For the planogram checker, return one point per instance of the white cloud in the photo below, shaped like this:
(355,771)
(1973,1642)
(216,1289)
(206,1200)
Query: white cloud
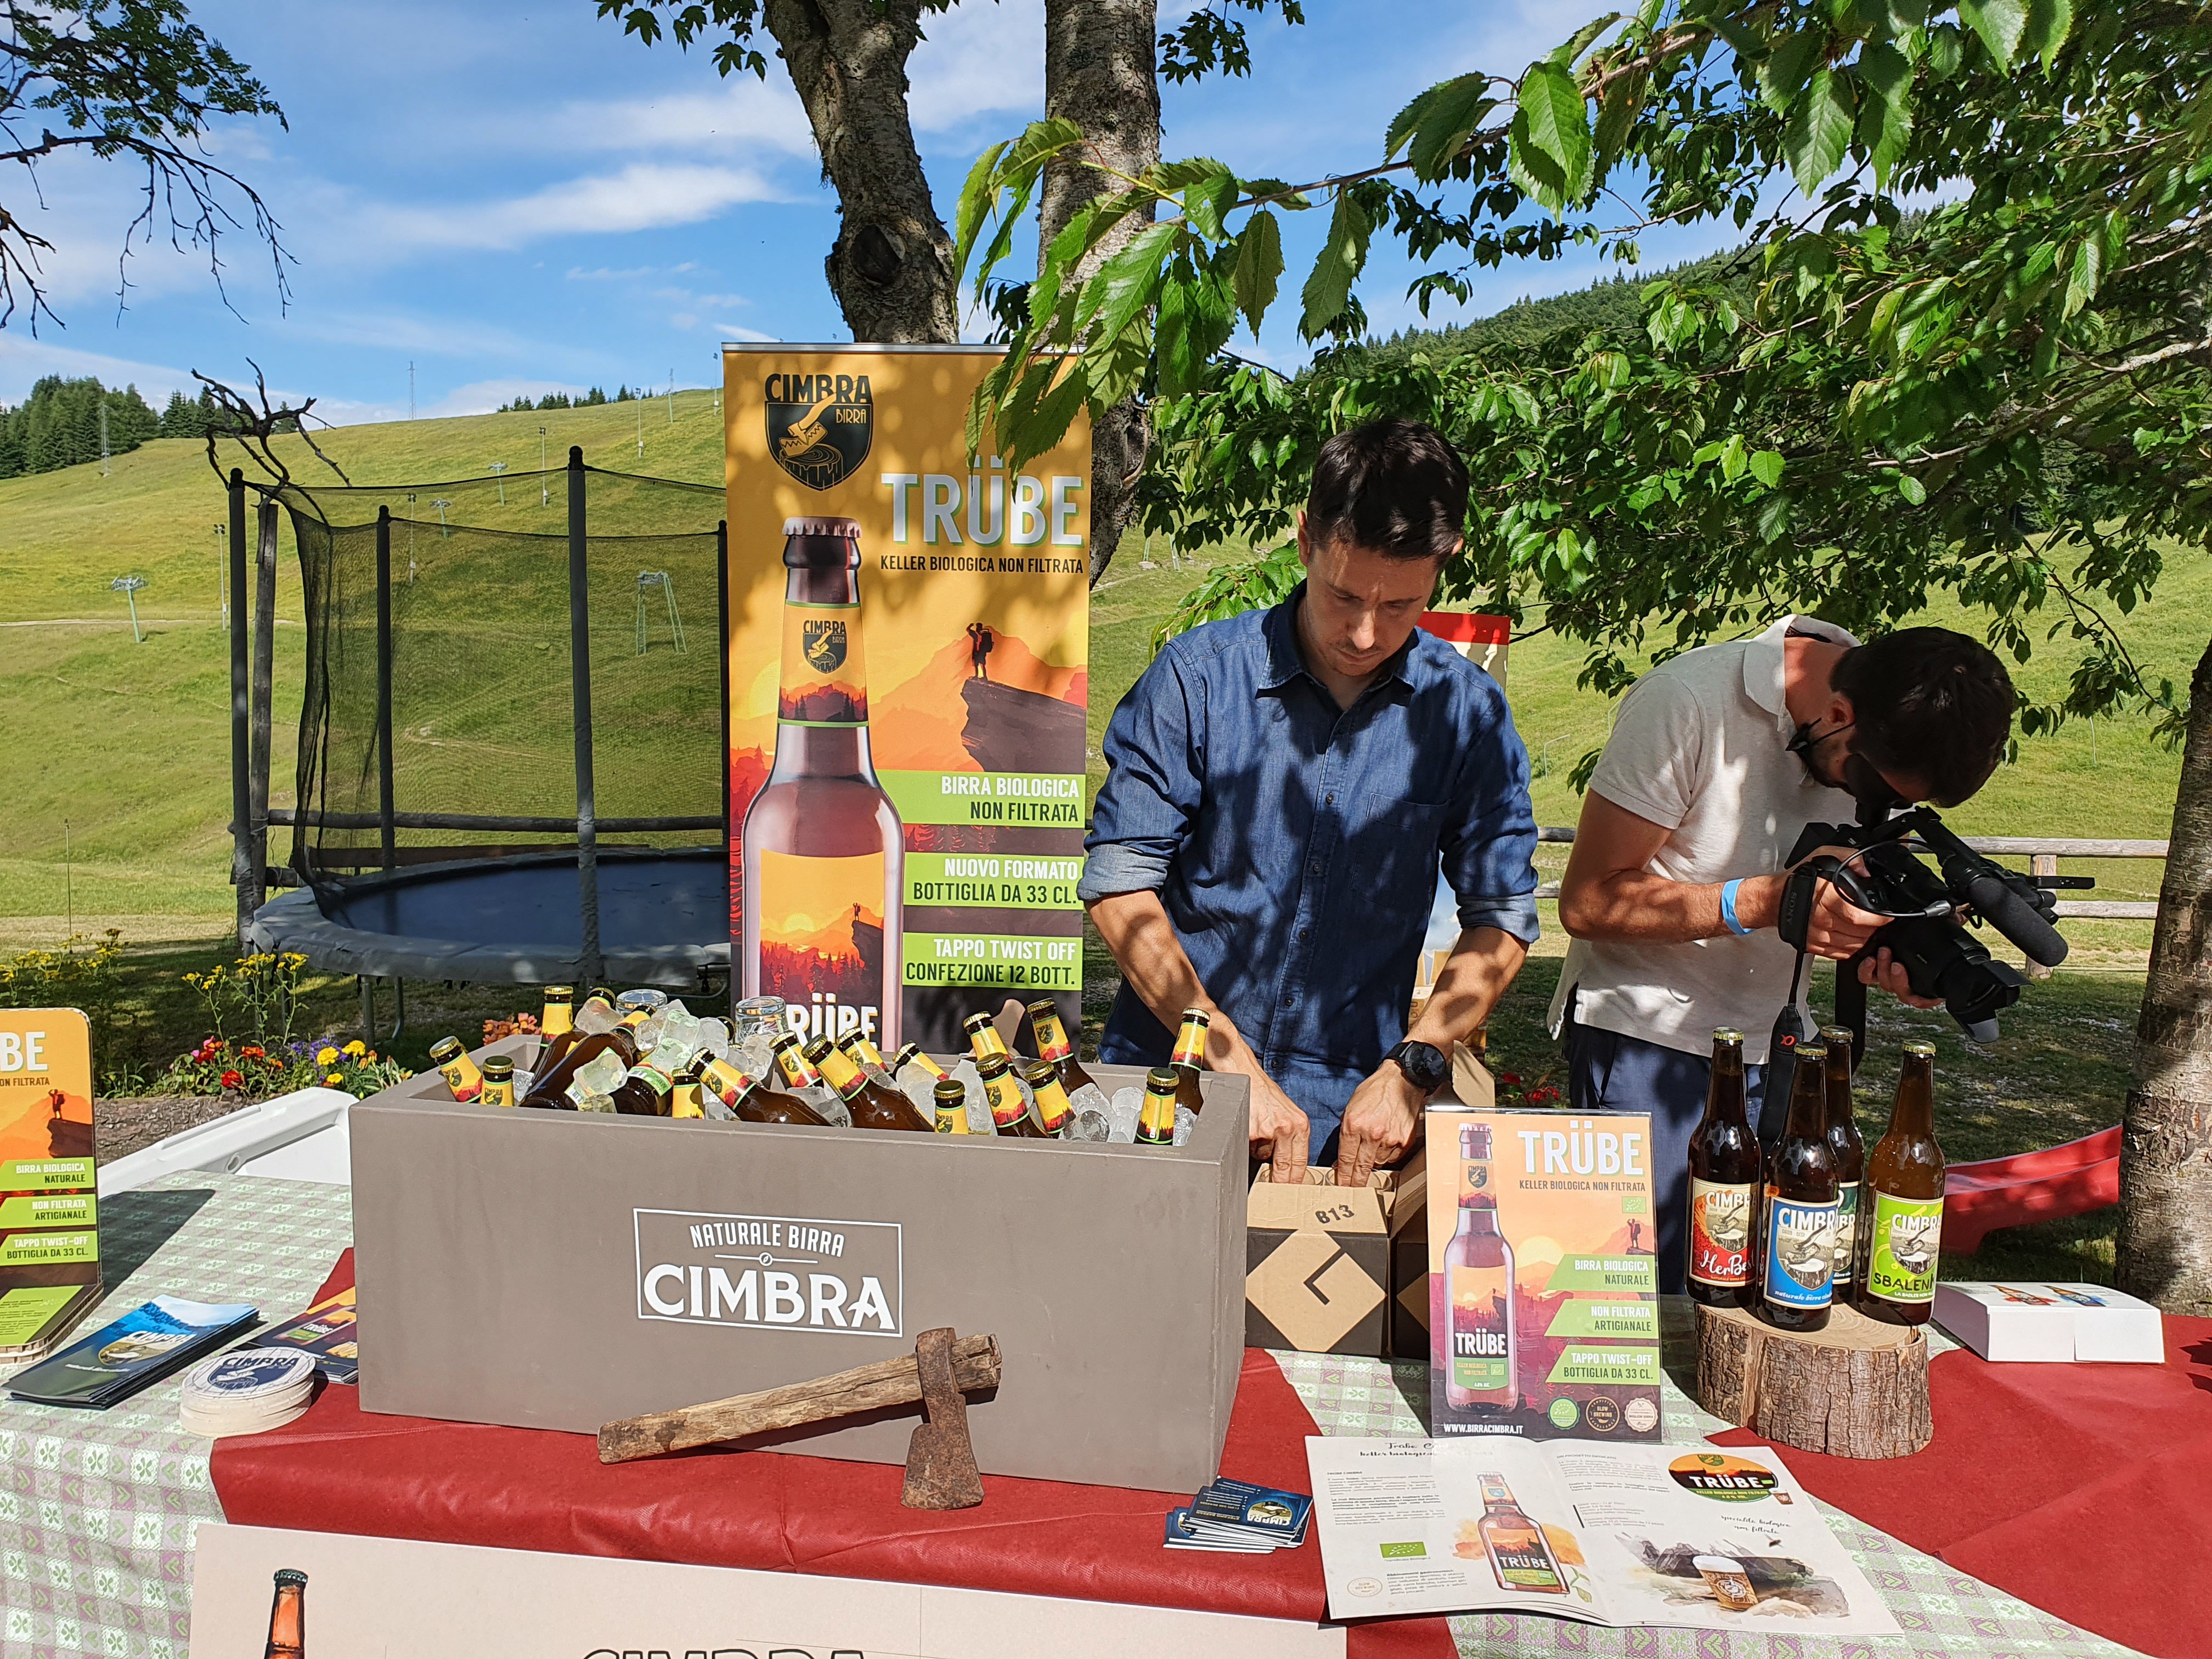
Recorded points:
(980,59)
(24,360)
(642,197)
(732,332)
(740,115)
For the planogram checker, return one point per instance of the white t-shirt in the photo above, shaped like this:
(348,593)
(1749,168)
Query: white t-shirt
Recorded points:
(1700,747)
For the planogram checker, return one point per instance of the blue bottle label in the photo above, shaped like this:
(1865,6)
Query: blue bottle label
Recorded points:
(1801,1252)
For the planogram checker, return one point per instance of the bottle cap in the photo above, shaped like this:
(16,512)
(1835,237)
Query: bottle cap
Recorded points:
(497,1067)
(556,992)
(1197,1014)
(1162,1079)
(1044,1005)
(1038,1073)
(1726,1033)
(993,1065)
(950,1091)
(847,529)
(291,1576)
(1925,1049)
(816,1049)
(974,1020)
(445,1048)
(1812,1051)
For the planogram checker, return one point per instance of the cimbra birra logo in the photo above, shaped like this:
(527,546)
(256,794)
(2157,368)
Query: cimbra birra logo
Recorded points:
(819,426)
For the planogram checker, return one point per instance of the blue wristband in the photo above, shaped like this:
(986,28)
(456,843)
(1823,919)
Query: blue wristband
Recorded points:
(1728,907)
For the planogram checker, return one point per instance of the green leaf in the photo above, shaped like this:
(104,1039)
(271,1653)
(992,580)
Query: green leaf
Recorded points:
(1732,458)
(1258,264)
(1767,467)
(1126,283)
(1884,125)
(1789,66)
(1439,123)
(1946,51)
(1911,488)
(1566,53)
(1550,135)
(1617,113)
(1329,285)
(1207,201)
(1819,130)
(2002,24)
(976,196)
(2049,23)
(2084,274)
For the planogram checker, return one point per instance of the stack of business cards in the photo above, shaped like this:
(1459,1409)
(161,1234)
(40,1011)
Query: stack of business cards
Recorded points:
(1240,1518)
(247,1391)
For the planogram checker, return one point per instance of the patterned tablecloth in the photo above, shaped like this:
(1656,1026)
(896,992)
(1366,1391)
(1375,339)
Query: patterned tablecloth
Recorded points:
(98,1510)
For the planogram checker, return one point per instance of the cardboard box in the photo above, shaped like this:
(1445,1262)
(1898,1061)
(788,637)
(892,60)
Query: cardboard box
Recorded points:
(1323,1261)
(2029,1320)
(1545,1309)
(557,1270)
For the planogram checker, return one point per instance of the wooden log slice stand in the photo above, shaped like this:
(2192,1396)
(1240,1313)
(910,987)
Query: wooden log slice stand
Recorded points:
(1858,1388)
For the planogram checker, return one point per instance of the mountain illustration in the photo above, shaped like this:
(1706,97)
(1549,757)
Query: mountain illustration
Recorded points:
(927,723)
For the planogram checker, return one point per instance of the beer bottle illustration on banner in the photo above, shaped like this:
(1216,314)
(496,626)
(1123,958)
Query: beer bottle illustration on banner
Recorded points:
(823,850)
(287,1616)
(1520,1557)
(1476,1320)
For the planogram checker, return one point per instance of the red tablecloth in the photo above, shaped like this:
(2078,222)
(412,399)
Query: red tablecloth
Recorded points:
(2079,1488)
(340,1469)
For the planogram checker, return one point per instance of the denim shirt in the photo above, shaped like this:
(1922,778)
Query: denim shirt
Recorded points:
(1295,846)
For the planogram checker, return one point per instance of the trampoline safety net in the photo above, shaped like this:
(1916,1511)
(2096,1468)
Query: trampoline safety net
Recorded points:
(456,609)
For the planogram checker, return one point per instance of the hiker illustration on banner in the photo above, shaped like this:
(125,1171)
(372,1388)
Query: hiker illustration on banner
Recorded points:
(908,655)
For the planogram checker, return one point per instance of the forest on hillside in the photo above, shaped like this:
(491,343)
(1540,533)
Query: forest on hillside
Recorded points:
(59,424)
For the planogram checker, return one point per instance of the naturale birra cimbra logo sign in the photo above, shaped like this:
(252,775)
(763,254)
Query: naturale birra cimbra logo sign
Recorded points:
(819,423)
(909,635)
(770,1272)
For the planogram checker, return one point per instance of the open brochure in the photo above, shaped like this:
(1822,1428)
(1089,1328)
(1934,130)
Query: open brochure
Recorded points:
(1712,1538)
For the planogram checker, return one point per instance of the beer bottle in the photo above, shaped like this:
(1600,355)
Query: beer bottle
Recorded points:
(287,1616)
(952,1097)
(1797,1222)
(1008,1109)
(821,838)
(749,1098)
(983,1038)
(913,1055)
(685,1101)
(1903,1222)
(1471,1299)
(462,1078)
(791,1060)
(865,1054)
(1155,1120)
(645,1093)
(1724,1182)
(1850,1151)
(1053,1108)
(498,1082)
(1052,1044)
(557,1026)
(873,1106)
(1189,1058)
(547,1088)
(1521,1557)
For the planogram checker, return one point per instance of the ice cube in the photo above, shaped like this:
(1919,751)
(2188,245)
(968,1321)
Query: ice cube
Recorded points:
(1185,1122)
(713,1037)
(827,1105)
(602,1074)
(920,1087)
(1090,1126)
(1091,1098)
(592,1018)
(756,1056)
(1122,1112)
(595,1103)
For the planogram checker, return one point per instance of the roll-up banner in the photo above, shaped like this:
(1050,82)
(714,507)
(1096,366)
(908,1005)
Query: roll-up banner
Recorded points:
(908,648)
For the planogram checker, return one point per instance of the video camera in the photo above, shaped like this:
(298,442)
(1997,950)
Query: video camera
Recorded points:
(1940,958)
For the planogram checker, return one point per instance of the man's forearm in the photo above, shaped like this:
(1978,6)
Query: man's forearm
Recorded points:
(1136,929)
(1636,906)
(1476,974)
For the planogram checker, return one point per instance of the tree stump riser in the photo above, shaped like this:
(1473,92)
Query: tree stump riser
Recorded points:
(1857,1389)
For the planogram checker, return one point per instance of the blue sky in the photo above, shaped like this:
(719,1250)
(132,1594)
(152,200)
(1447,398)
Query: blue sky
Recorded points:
(526,200)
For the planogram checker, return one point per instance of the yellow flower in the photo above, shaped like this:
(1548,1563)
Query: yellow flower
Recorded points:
(333,1079)
(356,1048)
(327,1057)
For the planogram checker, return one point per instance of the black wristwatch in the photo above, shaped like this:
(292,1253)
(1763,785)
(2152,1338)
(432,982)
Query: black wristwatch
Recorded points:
(1424,1064)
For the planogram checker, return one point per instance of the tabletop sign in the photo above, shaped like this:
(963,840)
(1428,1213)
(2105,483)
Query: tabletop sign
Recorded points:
(49,1210)
(1543,1287)
(907,689)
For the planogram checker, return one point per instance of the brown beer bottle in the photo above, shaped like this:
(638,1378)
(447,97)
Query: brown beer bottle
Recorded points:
(873,1106)
(791,1060)
(547,1089)
(1052,1044)
(1724,1183)
(1797,1222)
(1008,1109)
(1904,1221)
(1189,1058)
(684,1100)
(648,1091)
(1471,1299)
(913,1055)
(463,1080)
(1155,1120)
(952,1097)
(1053,1108)
(751,1099)
(557,1026)
(865,1054)
(821,838)
(983,1038)
(1850,1151)
(498,1082)
(288,1617)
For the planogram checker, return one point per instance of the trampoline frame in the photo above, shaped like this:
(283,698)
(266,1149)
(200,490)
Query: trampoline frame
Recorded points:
(251,816)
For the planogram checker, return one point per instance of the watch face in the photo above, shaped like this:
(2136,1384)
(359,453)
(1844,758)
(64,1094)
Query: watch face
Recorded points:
(1424,1064)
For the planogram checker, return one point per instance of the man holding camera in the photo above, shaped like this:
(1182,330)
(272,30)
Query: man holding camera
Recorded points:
(1718,759)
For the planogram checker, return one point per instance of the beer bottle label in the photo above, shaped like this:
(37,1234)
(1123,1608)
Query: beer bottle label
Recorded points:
(1190,1046)
(1907,1233)
(952,1120)
(916,1057)
(798,1070)
(497,1094)
(824,682)
(1156,1122)
(865,1052)
(725,1082)
(1520,1558)
(1481,1327)
(1720,1232)
(686,1101)
(1052,1106)
(822,930)
(1847,1229)
(984,1039)
(462,1077)
(1052,1037)
(558,1019)
(839,1071)
(1801,1252)
(659,1081)
(1007,1106)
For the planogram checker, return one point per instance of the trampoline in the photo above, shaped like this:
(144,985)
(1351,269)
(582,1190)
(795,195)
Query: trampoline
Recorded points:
(468,740)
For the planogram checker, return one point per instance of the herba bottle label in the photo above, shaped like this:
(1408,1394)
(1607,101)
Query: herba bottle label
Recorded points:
(1801,1252)
(1907,1231)
(1720,1232)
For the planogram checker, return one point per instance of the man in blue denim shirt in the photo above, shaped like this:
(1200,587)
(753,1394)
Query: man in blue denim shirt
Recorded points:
(1281,788)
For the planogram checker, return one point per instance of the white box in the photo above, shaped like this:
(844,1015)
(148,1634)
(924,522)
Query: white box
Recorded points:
(2029,1320)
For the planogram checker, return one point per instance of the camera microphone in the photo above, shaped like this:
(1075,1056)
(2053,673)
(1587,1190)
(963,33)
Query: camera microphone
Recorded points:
(2016,919)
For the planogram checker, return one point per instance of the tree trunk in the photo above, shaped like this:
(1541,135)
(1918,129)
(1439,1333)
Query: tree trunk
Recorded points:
(892,265)
(1101,71)
(2166,1148)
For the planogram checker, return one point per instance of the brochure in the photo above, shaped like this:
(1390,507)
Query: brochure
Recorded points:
(326,1331)
(1609,1534)
(133,1353)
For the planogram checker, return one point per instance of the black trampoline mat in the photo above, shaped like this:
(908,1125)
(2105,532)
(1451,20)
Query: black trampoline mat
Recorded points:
(645,904)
